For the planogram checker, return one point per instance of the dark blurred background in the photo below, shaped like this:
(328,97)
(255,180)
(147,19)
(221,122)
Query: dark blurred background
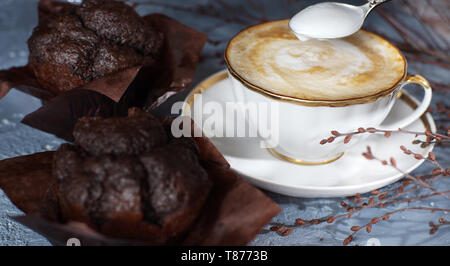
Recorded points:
(420,28)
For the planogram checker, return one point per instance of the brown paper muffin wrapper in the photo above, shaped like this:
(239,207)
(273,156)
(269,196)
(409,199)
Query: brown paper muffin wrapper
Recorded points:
(233,214)
(141,86)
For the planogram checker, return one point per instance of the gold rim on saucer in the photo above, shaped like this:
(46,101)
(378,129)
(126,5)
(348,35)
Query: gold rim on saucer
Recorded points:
(222,75)
(278,155)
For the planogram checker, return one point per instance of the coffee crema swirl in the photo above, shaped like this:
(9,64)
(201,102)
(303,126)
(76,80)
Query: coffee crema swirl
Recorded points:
(271,57)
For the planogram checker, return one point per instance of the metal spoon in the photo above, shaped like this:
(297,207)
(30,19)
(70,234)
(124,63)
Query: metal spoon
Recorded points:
(330,20)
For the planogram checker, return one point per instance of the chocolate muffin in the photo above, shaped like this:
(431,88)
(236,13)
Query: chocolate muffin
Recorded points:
(155,188)
(86,42)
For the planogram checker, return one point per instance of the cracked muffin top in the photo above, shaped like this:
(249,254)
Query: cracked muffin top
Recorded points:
(137,133)
(86,42)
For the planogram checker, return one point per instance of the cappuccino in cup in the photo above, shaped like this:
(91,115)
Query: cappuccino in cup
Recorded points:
(271,57)
(320,85)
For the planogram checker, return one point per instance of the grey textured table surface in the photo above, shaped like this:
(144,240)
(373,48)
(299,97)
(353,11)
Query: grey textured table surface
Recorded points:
(221,21)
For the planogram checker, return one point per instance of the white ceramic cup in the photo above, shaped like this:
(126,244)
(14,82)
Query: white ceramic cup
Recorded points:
(302,124)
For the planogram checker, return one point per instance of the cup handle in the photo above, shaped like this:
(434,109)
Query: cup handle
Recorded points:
(420,110)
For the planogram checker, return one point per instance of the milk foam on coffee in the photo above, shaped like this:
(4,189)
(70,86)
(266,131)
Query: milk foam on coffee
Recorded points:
(327,20)
(272,58)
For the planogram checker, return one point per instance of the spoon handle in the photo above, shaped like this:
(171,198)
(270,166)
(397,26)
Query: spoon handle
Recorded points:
(374,3)
(371,4)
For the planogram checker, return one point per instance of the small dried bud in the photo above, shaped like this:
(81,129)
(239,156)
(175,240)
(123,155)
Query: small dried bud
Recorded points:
(438,138)
(374,220)
(369,228)
(407,182)
(287,232)
(355,228)
(315,221)
(386,217)
(433,230)
(371,201)
(387,134)
(347,240)
(418,156)
(281,229)
(330,220)
(436,171)
(361,130)
(274,228)
(347,139)
(335,133)
(393,162)
(322,142)
(300,221)
(330,139)
(368,156)
(432,156)
(343,204)
(384,162)
(382,196)
(403,148)
(428,133)
(371,130)
(416,141)
(442,220)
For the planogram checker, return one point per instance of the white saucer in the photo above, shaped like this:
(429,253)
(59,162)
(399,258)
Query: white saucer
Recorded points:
(348,175)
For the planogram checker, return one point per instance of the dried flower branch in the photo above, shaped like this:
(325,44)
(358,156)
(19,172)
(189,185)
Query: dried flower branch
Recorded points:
(379,199)
(383,199)
(431,158)
(436,137)
(435,227)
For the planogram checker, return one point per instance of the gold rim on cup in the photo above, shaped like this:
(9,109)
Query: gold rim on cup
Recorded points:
(330,103)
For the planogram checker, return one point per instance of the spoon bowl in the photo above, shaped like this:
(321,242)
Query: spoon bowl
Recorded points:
(330,20)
